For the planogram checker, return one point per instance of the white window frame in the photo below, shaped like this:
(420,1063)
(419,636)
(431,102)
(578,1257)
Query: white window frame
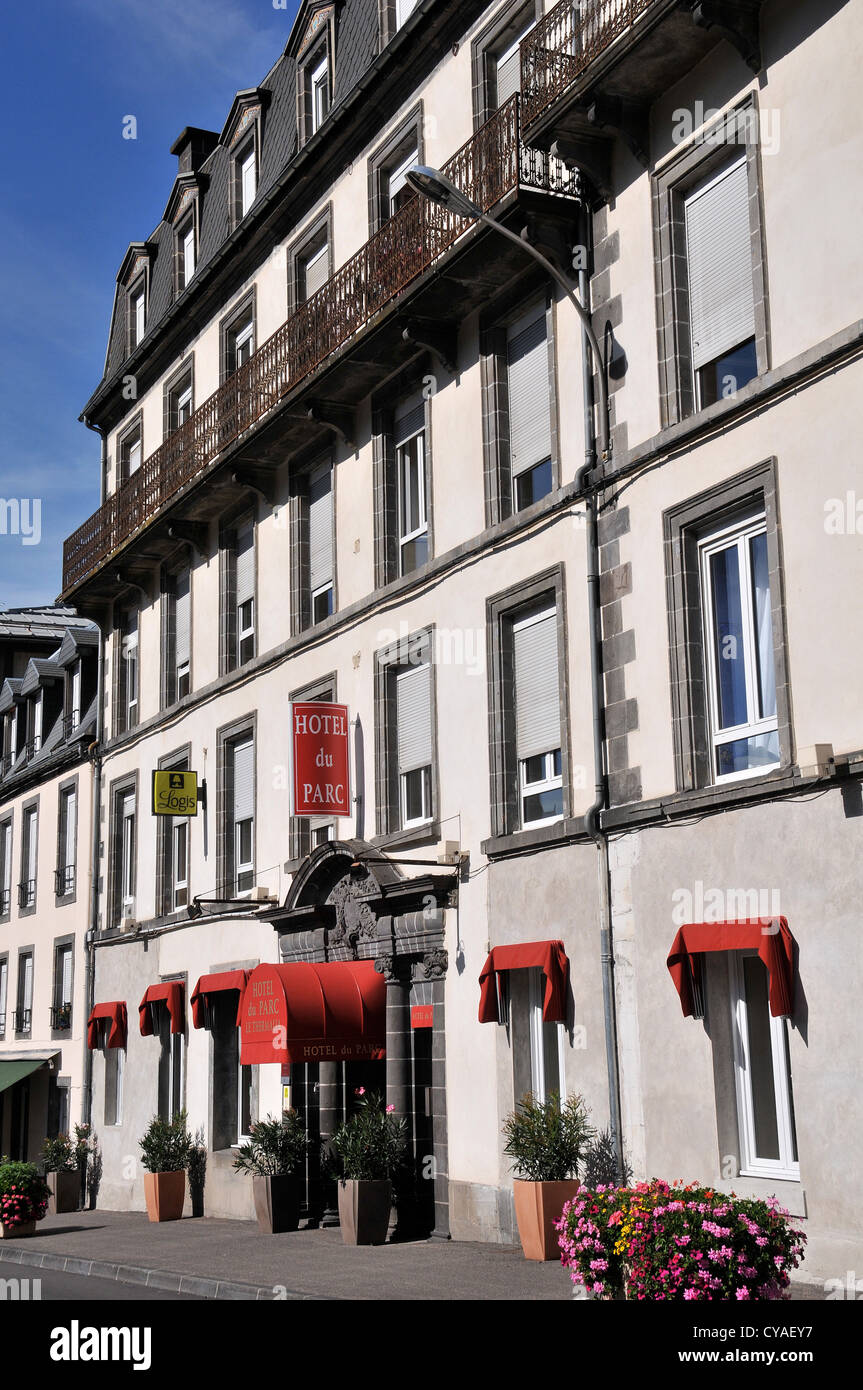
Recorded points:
(174,1045)
(38,714)
(307,264)
(426,815)
(179,885)
(129,654)
(397,175)
(75,712)
(184,405)
(739,532)
(552,781)
(248,174)
(25,968)
(188,244)
(242,343)
(68,800)
(6,855)
(785,1167)
(4,992)
(404,10)
(536,994)
(508,53)
(115,1056)
(319,81)
(62,955)
(403,459)
(139,316)
(243,866)
(29,860)
(127,854)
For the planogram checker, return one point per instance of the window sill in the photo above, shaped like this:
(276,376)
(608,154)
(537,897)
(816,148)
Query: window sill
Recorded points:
(427,834)
(789,1193)
(543,837)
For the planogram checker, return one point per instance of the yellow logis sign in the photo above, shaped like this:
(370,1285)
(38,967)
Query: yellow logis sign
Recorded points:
(175,793)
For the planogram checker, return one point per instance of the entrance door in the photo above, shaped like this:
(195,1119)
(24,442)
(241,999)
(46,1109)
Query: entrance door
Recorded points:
(20,1107)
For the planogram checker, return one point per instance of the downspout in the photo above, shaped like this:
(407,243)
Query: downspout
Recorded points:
(592,818)
(94,755)
(97,429)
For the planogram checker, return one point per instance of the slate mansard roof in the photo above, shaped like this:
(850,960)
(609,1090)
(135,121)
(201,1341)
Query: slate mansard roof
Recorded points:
(356,48)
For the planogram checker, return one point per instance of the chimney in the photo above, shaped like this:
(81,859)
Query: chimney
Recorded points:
(192,147)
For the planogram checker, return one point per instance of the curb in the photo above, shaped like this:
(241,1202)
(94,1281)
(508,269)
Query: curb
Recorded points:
(168,1280)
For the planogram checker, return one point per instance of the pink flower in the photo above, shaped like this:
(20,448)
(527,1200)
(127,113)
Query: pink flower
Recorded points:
(390,1109)
(360,1091)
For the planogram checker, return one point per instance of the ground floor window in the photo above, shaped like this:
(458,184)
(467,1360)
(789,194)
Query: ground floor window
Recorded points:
(537,1046)
(171,1065)
(765,1102)
(115,1062)
(234,1086)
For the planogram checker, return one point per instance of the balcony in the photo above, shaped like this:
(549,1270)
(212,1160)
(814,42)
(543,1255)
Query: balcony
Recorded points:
(61,1017)
(22,1020)
(27,893)
(64,880)
(591,70)
(335,324)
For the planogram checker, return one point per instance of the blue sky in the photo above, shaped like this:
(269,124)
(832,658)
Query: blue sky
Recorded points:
(76,194)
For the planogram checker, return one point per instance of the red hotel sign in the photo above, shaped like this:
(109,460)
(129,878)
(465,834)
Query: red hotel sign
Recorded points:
(322,775)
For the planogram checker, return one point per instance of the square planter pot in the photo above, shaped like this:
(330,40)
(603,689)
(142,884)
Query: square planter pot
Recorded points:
(364,1210)
(165,1194)
(65,1188)
(27,1228)
(277,1203)
(537,1206)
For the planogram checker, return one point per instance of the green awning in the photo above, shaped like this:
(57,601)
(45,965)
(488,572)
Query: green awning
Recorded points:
(10,1072)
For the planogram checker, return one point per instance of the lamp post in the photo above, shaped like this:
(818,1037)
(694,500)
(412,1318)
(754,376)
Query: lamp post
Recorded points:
(439,189)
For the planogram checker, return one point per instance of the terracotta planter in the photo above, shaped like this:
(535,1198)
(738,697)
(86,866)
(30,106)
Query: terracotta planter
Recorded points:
(537,1206)
(65,1186)
(27,1228)
(277,1203)
(364,1210)
(165,1194)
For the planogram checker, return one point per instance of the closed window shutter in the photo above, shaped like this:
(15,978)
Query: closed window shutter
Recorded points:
(70,831)
(244,781)
(509,69)
(32,841)
(245,563)
(721,308)
(529,404)
(183,611)
(65,977)
(537,691)
(28,983)
(321,528)
(414,717)
(398,176)
(410,418)
(317,271)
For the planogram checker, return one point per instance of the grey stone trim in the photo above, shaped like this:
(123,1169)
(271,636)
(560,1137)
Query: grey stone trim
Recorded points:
(226,737)
(490,43)
(317,233)
(409,131)
(677,393)
(300,829)
(618,649)
(501,610)
(428,834)
(689,692)
(178,761)
(117,790)
(419,645)
(232,320)
(611,525)
(27,806)
(70,785)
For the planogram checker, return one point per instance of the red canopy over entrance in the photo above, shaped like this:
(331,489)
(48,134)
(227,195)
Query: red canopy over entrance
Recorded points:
(548,956)
(313,1013)
(114,1015)
(769,936)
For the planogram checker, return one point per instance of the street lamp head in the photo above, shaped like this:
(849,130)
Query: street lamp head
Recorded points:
(439,189)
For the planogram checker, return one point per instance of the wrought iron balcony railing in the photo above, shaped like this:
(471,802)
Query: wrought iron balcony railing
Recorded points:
(5,901)
(61,1017)
(22,1018)
(565,42)
(64,880)
(27,892)
(490,165)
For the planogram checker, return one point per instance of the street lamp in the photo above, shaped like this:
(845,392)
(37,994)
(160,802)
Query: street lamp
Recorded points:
(439,189)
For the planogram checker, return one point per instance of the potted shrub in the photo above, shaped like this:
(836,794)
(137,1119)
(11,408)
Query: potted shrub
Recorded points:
(547,1142)
(197,1170)
(274,1157)
(23,1198)
(678,1244)
(61,1173)
(370,1150)
(165,1149)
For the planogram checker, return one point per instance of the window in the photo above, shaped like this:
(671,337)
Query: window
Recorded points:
(404,9)
(307,832)
(24,1011)
(496,57)
(320,85)
(537,717)
(37,711)
(126,674)
(719,269)
(246,591)
(66,842)
(61,1008)
(537,1046)
(171,1064)
(137,314)
(29,845)
(246,165)
(131,448)
(178,636)
(397,190)
(233,1084)
(177,402)
(173,834)
(321,542)
(405,735)
(765,1104)
(238,338)
(388,168)
(75,711)
(6,867)
(237,593)
(712,300)
(507,69)
(239,825)
(185,254)
(410,437)
(4,993)
(123,854)
(115,1066)
(529,416)
(738,649)
(313,271)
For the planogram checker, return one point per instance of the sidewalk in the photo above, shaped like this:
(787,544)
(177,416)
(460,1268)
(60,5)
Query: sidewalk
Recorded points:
(218,1258)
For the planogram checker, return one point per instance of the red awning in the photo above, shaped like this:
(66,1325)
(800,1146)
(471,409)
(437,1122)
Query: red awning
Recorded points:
(314,1013)
(769,936)
(172,994)
(548,956)
(216,984)
(113,1014)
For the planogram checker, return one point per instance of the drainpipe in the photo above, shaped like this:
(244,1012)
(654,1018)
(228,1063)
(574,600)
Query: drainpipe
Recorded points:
(592,818)
(94,755)
(97,429)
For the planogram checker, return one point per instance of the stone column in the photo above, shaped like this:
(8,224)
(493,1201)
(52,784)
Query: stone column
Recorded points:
(328,1109)
(434,969)
(398,1067)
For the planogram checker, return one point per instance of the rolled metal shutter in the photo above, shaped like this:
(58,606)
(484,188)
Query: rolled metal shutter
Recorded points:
(537,686)
(719,264)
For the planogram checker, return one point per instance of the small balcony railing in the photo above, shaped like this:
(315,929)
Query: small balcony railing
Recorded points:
(27,892)
(64,880)
(61,1017)
(5,901)
(490,165)
(22,1018)
(565,42)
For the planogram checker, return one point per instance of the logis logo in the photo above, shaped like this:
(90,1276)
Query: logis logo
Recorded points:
(77,1343)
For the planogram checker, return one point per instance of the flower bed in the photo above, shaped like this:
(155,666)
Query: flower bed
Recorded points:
(654,1241)
(23,1194)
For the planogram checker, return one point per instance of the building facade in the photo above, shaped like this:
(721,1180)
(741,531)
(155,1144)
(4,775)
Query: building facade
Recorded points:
(49,661)
(603,725)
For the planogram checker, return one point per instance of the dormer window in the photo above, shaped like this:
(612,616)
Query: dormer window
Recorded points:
(248,172)
(137,314)
(75,711)
(313,46)
(320,93)
(186,254)
(404,10)
(38,711)
(242,139)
